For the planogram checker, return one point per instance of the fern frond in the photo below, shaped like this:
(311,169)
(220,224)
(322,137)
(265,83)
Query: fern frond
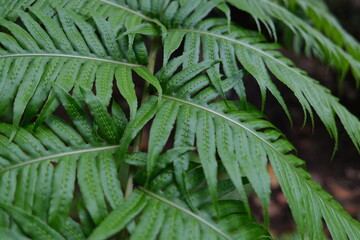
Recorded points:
(49,161)
(250,143)
(175,13)
(233,223)
(31,225)
(258,59)
(318,44)
(65,180)
(71,56)
(244,143)
(8,8)
(323,20)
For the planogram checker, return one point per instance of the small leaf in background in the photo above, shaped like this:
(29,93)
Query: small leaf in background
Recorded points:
(171,43)
(143,115)
(127,88)
(101,116)
(150,78)
(76,113)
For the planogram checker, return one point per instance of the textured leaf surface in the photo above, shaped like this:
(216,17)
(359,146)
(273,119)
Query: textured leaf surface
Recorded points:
(63,178)
(160,131)
(122,215)
(57,51)
(33,226)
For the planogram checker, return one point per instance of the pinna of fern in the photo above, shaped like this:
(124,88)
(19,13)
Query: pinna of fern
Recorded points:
(65,157)
(71,180)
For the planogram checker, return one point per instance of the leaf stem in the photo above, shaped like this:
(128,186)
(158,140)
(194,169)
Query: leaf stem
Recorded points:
(186,211)
(59,155)
(151,66)
(155,44)
(91,58)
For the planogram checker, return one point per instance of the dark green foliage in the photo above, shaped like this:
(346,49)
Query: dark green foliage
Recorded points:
(88,175)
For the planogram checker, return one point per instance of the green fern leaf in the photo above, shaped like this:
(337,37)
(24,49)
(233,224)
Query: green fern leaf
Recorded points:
(171,42)
(303,86)
(144,114)
(207,223)
(160,132)
(322,19)
(161,207)
(153,213)
(126,87)
(50,186)
(90,187)
(250,142)
(225,147)
(119,118)
(106,166)
(206,147)
(76,112)
(33,226)
(121,216)
(101,116)
(147,76)
(62,195)
(11,235)
(324,47)
(260,180)
(64,179)
(58,52)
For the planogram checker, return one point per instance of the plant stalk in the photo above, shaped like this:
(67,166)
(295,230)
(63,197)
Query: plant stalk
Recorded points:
(155,44)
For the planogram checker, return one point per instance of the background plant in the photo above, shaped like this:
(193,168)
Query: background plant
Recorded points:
(84,175)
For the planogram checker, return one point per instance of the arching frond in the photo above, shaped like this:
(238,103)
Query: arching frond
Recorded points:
(244,142)
(259,58)
(71,53)
(323,20)
(317,43)
(47,163)
(64,179)
(93,169)
(161,203)
(175,13)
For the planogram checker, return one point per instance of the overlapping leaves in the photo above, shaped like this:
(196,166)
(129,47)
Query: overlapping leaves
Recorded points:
(171,217)
(53,160)
(71,52)
(318,44)
(244,143)
(73,46)
(259,58)
(46,163)
(323,20)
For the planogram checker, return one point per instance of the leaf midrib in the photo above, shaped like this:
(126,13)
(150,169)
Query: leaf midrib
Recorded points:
(69,56)
(58,155)
(186,211)
(220,115)
(127,9)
